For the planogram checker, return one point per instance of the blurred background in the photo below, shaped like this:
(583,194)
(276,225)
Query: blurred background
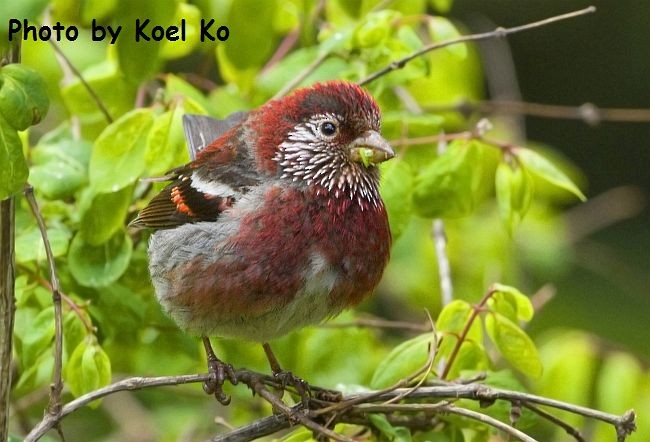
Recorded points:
(601,60)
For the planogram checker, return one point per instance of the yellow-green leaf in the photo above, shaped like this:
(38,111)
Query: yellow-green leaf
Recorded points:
(522,303)
(23,96)
(118,154)
(514,193)
(546,170)
(514,344)
(402,361)
(14,168)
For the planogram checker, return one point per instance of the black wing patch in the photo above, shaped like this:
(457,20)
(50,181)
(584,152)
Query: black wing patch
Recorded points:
(181,203)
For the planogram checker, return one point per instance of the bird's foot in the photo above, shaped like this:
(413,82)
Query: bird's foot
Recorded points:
(221,372)
(286,378)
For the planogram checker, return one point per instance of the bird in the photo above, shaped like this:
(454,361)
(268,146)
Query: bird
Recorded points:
(277,222)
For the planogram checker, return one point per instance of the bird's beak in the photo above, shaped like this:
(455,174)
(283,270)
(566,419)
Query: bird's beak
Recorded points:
(370,148)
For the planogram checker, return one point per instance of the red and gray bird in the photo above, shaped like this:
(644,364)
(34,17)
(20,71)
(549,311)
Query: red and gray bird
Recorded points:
(277,222)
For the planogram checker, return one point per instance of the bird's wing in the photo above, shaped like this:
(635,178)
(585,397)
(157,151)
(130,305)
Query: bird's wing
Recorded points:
(201,130)
(202,189)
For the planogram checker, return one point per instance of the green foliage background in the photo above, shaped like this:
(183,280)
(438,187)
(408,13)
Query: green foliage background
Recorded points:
(503,208)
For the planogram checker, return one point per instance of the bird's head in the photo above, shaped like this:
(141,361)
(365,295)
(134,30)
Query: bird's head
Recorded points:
(326,137)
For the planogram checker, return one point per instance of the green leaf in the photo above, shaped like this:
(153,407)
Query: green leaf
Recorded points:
(14,168)
(139,60)
(374,28)
(471,356)
(514,192)
(36,374)
(177,89)
(180,48)
(103,214)
(99,266)
(402,361)
(59,168)
(391,433)
(618,382)
(74,331)
(35,330)
(295,63)
(88,368)
(523,306)
(118,154)
(514,344)
(243,54)
(546,170)
(29,244)
(453,318)
(23,96)
(396,188)
(441,6)
(447,188)
(166,147)
(110,86)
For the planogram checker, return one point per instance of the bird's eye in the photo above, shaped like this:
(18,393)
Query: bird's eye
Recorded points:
(328,128)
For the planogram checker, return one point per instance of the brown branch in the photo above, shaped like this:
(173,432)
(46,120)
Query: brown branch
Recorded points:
(497,33)
(432,139)
(260,428)
(9,54)
(444,407)
(571,431)
(54,406)
(624,424)
(7,308)
(299,416)
(588,113)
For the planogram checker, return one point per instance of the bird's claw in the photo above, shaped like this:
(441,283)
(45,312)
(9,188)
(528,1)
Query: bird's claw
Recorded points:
(221,372)
(287,378)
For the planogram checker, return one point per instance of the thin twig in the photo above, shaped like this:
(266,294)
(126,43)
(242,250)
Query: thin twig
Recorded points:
(98,101)
(445,407)
(68,77)
(283,49)
(432,139)
(54,406)
(588,113)
(301,76)
(299,416)
(497,33)
(571,431)
(85,320)
(135,383)
(260,428)
(463,335)
(440,243)
(10,53)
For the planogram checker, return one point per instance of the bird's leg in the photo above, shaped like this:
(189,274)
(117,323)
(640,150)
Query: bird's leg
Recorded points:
(286,377)
(221,371)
